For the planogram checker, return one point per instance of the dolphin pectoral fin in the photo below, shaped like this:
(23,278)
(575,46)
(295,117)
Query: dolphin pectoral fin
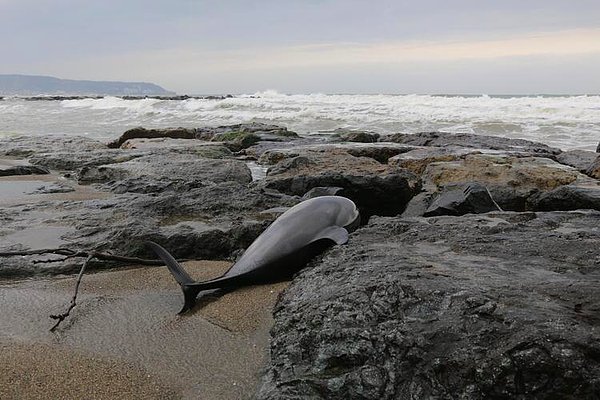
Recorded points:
(180,275)
(336,233)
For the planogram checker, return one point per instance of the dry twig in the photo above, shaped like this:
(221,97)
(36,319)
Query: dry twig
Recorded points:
(60,317)
(69,253)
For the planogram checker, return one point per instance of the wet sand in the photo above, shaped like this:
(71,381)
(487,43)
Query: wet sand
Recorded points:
(125,340)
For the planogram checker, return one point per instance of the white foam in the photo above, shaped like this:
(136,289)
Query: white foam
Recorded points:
(566,122)
(109,103)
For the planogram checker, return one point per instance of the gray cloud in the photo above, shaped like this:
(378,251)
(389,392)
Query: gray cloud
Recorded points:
(71,38)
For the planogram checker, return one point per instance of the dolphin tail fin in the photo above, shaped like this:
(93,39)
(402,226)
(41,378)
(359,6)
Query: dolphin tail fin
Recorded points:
(190,291)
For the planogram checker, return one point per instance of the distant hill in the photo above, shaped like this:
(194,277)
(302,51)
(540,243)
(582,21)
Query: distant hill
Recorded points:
(32,85)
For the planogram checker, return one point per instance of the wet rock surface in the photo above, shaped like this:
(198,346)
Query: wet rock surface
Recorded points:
(475,307)
(230,133)
(12,170)
(578,159)
(472,198)
(594,169)
(196,200)
(154,174)
(467,140)
(348,135)
(492,305)
(515,183)
(26,146)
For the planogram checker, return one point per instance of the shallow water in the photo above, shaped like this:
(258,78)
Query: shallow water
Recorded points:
(567,122)
(13,190)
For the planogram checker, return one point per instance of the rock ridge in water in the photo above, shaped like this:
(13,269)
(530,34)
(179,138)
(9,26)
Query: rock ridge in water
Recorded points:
(239,133)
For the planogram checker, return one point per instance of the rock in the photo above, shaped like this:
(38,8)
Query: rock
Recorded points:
(510,180)
(156,173)
(12,170)
(417,159)
(72,160)
(380,152)
(418,205)
(374,194)
(243,142)
(349,135)
(474,307)
(317,159)
(290,164)
(569,197)
(578,159)
(467,140)
(472,198)
(221,133)
(27,146)
(376,189)
(197,206)
(215,221)
(140,132)
(594,169)
(598,148)
(256,128)
(187,146)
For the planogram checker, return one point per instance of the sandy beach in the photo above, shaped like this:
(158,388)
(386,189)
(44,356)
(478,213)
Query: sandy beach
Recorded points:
(125,339)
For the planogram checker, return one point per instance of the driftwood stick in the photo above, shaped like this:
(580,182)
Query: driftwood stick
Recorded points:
(72,253)
(69,253)
(60,252)
(60,317)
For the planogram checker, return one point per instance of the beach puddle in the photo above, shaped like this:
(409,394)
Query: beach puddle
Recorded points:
(11,191)
(258,171)
(27,189)
(37,237)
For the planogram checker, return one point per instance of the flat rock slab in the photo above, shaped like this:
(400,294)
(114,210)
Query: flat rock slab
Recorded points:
(501,305)
(160,172)
(25,146)
(17,167)
(379,152)
(469,140)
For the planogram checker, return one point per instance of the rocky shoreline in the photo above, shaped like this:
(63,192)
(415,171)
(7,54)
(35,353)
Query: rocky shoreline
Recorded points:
(475,274)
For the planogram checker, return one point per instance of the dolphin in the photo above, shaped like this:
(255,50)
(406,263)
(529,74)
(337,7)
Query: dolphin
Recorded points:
(298,235)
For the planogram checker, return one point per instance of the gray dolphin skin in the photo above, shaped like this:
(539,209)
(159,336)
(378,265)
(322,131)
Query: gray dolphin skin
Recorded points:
(283,248)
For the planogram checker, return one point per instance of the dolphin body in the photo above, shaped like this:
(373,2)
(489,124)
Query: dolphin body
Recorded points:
(283,248)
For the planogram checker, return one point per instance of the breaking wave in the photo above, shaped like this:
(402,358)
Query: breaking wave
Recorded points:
(562,121)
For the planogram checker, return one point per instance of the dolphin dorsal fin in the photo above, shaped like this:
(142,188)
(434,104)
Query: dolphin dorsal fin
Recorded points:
(336,233)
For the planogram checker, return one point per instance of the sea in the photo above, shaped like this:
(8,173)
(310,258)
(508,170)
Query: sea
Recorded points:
(566,122)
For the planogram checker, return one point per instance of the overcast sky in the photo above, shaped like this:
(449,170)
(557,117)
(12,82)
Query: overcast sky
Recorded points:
(329,46)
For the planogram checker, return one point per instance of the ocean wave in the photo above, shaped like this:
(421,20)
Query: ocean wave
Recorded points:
(109,103)
(563,121)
